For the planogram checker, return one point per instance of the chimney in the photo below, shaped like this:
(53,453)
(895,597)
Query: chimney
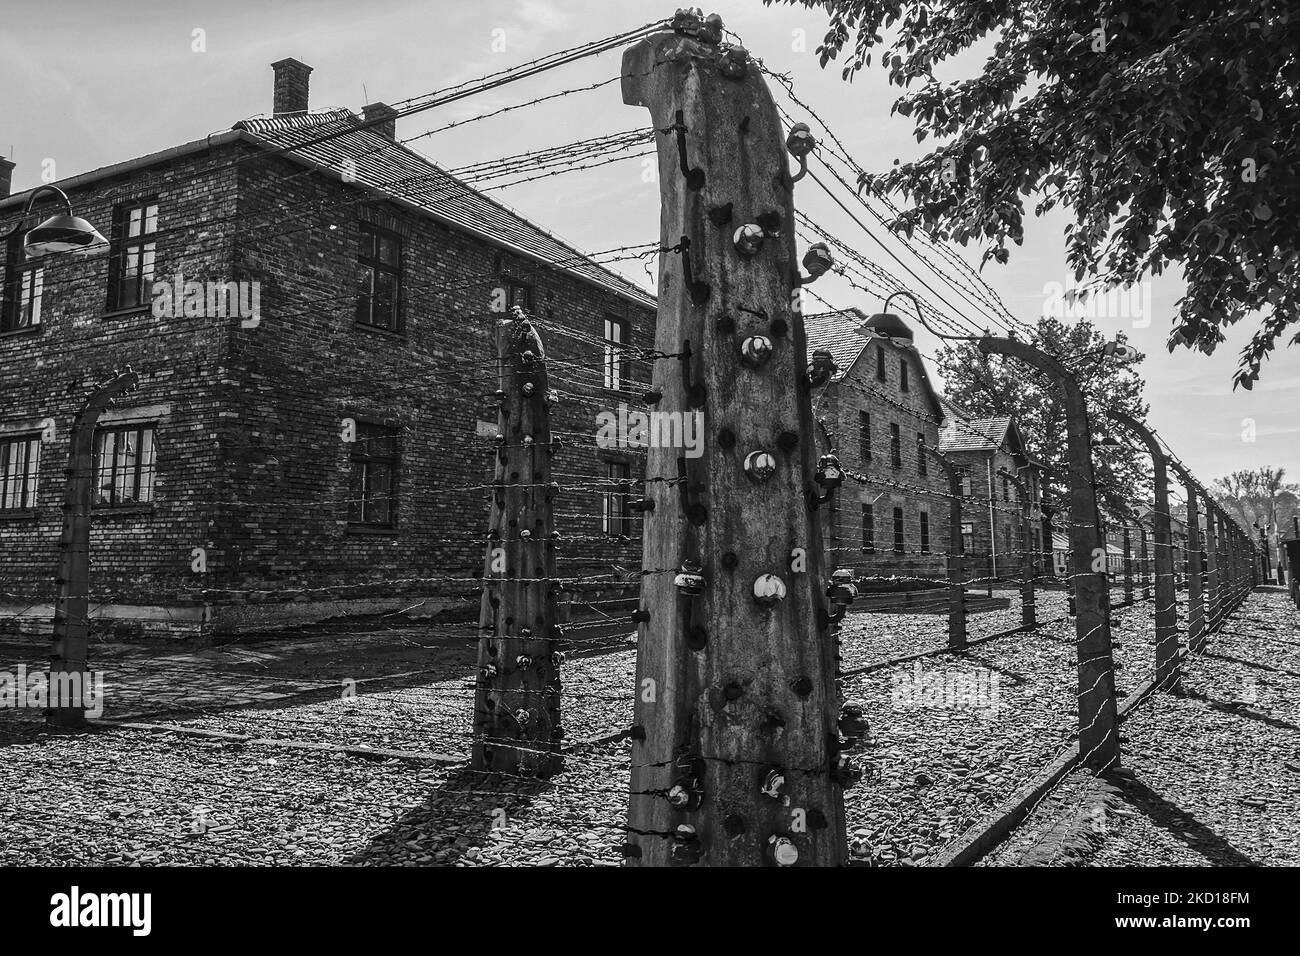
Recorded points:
(6,176)
(291,83)
(384,117)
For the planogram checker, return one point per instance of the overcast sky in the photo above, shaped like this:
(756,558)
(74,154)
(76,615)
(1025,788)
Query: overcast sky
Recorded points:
(88,83)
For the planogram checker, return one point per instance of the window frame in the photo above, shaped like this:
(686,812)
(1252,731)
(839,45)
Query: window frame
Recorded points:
(370,258)
(882,373)
(618,364)
(19,269)
(141,470)
(900,530)
(868,528)
(615,509)
(904,384)
(895,445)
(143,251)
(922,467)
(925,531)
(363,456)
(864,435)
(31,473)
(518,288)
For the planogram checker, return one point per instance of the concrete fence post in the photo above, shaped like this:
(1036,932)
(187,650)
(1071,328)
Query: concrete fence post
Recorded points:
(71,636)
(517,695)
(739,743)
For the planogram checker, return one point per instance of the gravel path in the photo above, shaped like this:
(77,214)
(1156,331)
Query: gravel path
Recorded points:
(949,742)
(1209,778)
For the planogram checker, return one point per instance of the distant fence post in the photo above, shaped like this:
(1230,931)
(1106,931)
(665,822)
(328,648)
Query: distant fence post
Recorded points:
(1098,709)
(1213,594)
(956,550)
(1195,584)
(1028,612)
(1128,563)
(71,637)
(517,694)
(1168,673)
(739,741)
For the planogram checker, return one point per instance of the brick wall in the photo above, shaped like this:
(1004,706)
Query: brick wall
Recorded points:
(251,464)
(887,487)
(139,555)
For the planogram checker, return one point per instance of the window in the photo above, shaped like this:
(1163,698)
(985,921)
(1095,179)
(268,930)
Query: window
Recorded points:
(24,288)
(617,367)
(519,294)
(967,536)
(898,530)
(895,446)
(864,435)
(922,468)
(925,532)
(965,486)
(20,460)
(868,529)
(132,262)
(124,466)
(616,517)
(881,374)
(379,279)
(902,373)
(372,483)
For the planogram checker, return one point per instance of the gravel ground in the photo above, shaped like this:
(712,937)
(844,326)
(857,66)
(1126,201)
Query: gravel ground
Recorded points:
(941,756)
(1209,778)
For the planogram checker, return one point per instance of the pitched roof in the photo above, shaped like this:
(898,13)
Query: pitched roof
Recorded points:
(372,159)
(974,434)
(836,332)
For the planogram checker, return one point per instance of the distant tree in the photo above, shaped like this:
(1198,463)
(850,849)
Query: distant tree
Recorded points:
(989,385)
(1259,496)
(1168,127)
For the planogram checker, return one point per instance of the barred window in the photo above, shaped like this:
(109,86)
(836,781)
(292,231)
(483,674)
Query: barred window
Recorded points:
(20,460)
(895,446)
(925,532)
(124,465)
(372,485)
(922,467)
(902,373)
(868,529)
(864,435)
(899,537)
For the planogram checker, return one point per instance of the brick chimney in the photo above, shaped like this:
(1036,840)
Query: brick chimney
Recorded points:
(291,85)
(386,117)
(6,176)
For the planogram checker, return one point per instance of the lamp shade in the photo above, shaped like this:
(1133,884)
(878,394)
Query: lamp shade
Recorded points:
(886,324)
(62,233)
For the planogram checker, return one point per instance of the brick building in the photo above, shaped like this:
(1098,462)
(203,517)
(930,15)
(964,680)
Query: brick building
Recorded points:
(334,445)
(893,518)
(992,526)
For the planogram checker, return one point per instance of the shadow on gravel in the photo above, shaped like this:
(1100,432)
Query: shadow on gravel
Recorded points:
(455,818)
(1240,710)
(1179,823)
